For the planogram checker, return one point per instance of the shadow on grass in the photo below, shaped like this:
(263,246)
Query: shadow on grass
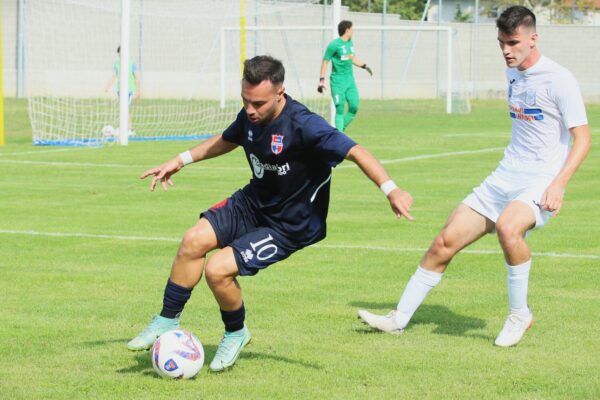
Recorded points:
(262,356)
(143,361)
(108,341)
(447,321)
(143,365)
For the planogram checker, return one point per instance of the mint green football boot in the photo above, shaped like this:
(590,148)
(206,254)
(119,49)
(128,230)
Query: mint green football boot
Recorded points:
(229,349)
(157,327)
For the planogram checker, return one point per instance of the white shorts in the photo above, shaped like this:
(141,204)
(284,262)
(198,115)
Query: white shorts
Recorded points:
(504,186)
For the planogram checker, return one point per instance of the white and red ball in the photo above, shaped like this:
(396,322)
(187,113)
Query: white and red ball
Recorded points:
(177,354)
(108,130)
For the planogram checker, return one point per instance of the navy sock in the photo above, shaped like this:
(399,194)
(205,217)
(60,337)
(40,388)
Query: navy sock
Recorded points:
(174,300)
(234,320)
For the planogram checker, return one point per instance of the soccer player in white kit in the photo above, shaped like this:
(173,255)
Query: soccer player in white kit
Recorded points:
(547,111)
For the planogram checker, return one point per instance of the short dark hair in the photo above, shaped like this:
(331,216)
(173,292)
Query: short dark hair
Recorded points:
(344,26)
(514,17)
(261,68)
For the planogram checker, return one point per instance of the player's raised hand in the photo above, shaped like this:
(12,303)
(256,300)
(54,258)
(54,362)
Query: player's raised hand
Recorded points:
(401,201)
(321,88)
(163,173)
(552,198)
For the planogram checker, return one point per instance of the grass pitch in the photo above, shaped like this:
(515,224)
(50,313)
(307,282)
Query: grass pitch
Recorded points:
(86,250)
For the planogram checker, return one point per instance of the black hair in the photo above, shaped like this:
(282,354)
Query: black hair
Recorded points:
(261,68)
(343,26)
(514,17)
(119,50)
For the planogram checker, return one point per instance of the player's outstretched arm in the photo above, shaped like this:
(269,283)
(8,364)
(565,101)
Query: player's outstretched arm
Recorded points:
(362,65)
(210,148)
(400,200)
(552,198)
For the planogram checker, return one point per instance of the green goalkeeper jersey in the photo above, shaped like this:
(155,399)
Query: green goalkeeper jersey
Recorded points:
(132,70)
(340,53)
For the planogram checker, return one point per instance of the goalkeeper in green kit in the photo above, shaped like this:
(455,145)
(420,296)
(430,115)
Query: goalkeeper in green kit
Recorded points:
(343,88)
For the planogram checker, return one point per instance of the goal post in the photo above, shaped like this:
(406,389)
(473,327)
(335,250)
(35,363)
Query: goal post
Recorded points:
(449,81)
(1,88)
(124,72)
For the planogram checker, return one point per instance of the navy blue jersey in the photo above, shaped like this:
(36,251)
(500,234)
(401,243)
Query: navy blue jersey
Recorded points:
(291,159)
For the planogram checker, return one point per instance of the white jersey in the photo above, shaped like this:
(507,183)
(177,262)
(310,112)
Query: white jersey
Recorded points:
(544,102)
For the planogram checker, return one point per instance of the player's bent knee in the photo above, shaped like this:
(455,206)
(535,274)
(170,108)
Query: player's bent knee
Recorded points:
(195,243)
(215,275)
(442,248)
(508,233)
(220,269)
(212,275)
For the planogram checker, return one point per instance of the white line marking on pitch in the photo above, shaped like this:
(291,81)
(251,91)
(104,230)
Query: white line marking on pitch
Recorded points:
(491,135)
(435,155)
(90,235)
(321,246)
(393,161)
(466,251)
(64,164)
(104,165)
(34,152)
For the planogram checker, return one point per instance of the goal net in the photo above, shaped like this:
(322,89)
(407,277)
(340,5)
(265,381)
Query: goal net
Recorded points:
(188,56)
(71,50)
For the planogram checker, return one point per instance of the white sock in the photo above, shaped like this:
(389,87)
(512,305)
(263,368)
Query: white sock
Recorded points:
(518,279)
(419,285)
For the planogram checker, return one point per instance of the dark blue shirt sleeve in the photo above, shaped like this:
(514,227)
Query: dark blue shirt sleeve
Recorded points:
(331,145)
(234,132)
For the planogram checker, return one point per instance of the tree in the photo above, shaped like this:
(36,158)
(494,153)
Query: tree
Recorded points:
(408,9)
(459,16)
(558,11)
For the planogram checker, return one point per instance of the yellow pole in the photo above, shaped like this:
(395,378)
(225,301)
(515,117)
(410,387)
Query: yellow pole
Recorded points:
(242,34)
(1,91)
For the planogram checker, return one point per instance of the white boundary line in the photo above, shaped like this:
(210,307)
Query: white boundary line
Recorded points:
(393,161)
(319,246)
(467,135)
(65,164)
(441,155)
(465,251)
(104,165)
(435,155)
(34,152)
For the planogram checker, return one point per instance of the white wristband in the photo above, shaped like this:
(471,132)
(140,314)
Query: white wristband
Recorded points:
(387,186)
(186,157)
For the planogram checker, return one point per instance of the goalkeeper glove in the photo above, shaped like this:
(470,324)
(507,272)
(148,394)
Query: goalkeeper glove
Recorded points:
(321,85)
(366,67)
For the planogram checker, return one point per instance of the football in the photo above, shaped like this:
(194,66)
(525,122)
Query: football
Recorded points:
(108,130)
(177,354)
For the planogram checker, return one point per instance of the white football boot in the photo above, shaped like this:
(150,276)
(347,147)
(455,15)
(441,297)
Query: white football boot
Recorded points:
(384,323)
(514,328)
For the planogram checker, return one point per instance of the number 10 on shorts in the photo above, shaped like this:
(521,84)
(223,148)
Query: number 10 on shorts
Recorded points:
(264,249)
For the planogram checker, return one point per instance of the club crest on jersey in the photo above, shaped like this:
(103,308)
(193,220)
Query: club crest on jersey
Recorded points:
(276,144)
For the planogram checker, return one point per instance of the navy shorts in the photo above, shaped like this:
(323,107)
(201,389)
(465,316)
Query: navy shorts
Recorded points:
(255,246)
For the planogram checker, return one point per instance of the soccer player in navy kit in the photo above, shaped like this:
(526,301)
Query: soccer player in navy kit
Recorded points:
(290,151)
